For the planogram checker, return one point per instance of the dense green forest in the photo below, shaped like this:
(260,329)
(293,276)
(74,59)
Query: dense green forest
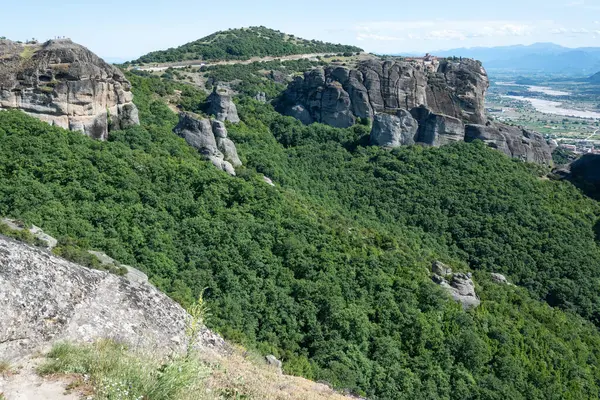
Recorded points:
(243,44)
(329,270)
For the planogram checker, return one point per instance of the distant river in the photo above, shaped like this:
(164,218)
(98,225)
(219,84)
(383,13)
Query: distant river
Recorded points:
(555,107)
(538,89)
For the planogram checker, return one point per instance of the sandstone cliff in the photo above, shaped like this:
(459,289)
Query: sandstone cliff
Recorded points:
(338,95)
(67,85)
(410,102)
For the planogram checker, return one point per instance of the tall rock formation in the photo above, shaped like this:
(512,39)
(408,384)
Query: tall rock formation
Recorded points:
(221,105)
(209,137)
(338,95)
(67,85)
(438,98)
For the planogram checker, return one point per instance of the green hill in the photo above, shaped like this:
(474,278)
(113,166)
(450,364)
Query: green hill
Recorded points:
(243,44)
(329,270)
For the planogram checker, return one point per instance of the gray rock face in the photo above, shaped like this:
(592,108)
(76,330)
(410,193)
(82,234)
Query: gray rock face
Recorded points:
(499,278)
(437,129)
(210,139)
(393,130)
(37,232)
(460,286)
(261,96)
(45,299)
(220,104)
(274,362)
(338,95)
(440,269)
(66,85)
(513,141)
(133,274)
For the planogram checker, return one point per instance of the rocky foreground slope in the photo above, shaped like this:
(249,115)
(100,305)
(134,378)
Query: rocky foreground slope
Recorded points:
(67,85)
(45,299)
(432,103)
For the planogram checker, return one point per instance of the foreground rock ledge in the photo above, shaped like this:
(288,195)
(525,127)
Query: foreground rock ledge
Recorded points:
(45,299)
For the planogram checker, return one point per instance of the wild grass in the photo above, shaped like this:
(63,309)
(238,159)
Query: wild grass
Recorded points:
(115,372)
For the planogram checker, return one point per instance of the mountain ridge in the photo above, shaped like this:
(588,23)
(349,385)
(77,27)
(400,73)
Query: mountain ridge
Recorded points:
(244,43)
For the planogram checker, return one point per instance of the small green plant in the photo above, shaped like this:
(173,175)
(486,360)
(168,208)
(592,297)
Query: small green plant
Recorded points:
(199,313)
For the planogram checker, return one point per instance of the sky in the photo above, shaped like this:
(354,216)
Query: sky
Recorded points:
(127,29)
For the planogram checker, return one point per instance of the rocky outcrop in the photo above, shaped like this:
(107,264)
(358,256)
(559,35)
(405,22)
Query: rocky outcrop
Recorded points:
(133,274)
(441,97)
(220,104)
(209,137)
(48,241)
(393,130)
(66,85)
(584,173)
(499,278)
(337,96)
(275,363)
(45,299)
(459,285)
(513,141)
(437,129)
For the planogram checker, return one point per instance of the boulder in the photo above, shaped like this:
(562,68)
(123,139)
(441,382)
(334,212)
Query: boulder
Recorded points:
(274,362)
(459,285)
(268,180)
(393,130)
(440,269)
(210,139)
(437,129)
(513,141)
(45,299)
(66,85)
(220,104)
(261,96)
(499,278)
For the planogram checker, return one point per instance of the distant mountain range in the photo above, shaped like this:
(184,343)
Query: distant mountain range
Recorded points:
(538,57)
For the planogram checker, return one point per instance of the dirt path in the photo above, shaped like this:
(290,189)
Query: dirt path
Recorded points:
(197,63)
(25,384)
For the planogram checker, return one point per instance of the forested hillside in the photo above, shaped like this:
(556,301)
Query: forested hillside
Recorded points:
(329,270)
(243,44)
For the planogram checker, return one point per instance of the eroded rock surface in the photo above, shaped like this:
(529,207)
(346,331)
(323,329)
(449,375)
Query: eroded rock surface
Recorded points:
(393,130)
(220,104)
(338,95)
(45,299)
(513,141)
(209,137)
(437,129)
(66,85)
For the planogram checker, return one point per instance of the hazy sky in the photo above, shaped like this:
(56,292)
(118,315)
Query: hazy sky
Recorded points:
(129,28)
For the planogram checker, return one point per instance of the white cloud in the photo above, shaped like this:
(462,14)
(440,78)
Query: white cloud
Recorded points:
(574,31)
(440,29)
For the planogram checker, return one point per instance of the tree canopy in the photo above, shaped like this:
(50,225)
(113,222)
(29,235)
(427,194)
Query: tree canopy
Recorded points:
(329,270)
(243,44)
